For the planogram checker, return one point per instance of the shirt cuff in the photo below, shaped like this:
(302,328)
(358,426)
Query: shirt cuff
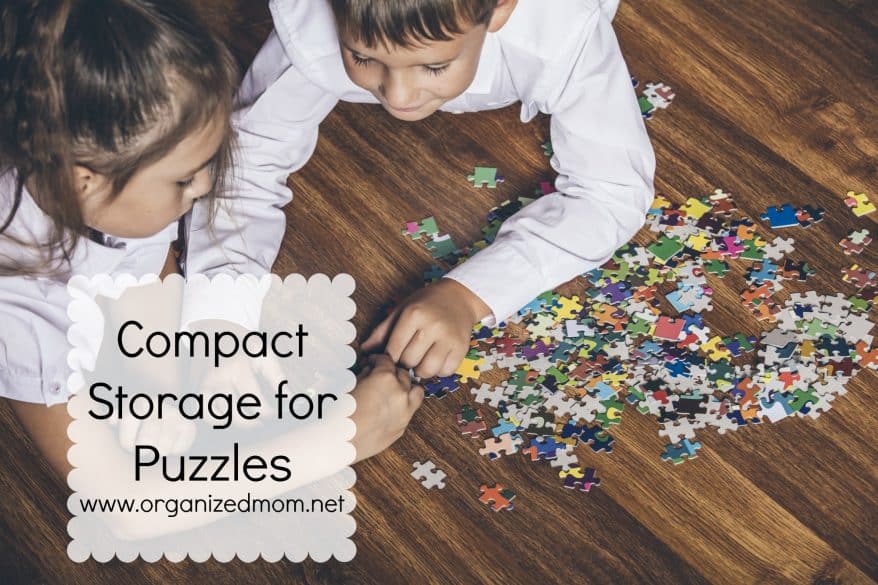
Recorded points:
(507,281)
(49,388)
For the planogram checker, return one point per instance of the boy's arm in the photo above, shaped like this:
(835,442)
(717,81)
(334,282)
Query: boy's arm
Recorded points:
(606,166)
(277,125)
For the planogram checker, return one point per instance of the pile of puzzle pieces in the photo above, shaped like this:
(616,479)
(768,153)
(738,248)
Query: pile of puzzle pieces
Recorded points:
(632,333)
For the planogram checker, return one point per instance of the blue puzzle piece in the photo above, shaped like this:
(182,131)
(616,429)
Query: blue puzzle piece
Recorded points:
(780,217)
(441,386)
(505,426)
(682,451)
(678,302)
(761,272)
(604,391)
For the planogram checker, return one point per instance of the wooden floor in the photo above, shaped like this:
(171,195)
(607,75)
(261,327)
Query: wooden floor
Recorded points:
(776,102)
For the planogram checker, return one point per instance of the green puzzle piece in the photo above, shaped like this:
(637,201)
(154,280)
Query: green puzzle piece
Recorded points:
(441,247)
(425,227)
(484,176)
(665,248)
(717,267)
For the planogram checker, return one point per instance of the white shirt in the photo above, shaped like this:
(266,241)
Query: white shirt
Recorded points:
(33,311)
(559,57)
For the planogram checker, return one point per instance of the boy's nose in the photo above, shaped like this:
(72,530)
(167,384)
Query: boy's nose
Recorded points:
(399,92)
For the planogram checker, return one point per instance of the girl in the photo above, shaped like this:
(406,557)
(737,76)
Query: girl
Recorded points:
(114,120)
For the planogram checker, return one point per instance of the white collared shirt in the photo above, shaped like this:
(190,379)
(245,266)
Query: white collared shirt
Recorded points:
(33,310)
(559,57)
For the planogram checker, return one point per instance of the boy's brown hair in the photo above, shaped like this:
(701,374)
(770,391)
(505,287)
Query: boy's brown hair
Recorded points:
(403,23)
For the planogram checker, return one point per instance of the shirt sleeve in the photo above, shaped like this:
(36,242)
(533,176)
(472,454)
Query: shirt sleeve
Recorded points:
(277,125)
(33,340)
(605,166)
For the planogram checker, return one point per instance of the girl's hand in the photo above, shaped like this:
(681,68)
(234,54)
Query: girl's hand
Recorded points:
(171,435)
(386,400)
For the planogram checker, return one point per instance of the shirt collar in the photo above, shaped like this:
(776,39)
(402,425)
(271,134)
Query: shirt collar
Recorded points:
(488,64)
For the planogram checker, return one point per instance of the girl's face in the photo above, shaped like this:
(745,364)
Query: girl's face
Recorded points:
(157,194)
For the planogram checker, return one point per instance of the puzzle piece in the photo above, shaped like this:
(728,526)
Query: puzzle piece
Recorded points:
(417,229)
(542,448)
(580,479)
(780,217)
(809,215)
(489,395)
(506,443)
(468,414)
(858,277)
(497,496)
(430,476)
(859,203)
(469,369)
(441,246)
(778,248)
(665,249)
(855,242)
(659,95)
(485,176)
(441,386)
(681,452)
(668,328)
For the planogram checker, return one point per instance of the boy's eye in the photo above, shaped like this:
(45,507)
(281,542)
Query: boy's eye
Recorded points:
(436,70)
(360,60)
(186,183)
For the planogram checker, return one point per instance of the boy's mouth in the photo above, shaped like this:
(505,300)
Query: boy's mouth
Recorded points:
(403,110)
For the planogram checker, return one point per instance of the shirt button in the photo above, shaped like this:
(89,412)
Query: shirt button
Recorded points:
(55,388)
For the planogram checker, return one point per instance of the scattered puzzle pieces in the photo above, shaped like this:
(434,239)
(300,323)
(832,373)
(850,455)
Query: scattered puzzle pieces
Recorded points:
(630,332)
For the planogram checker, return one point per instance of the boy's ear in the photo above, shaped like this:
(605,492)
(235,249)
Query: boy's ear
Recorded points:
(88,182)
(502,12)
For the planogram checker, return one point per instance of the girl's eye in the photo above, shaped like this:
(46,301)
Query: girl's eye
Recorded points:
(360,60)
(186,183)
(436,70)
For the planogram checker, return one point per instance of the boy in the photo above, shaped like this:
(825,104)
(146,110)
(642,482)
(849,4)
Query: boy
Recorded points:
(415,57)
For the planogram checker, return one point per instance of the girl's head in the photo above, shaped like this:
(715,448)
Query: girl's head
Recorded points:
(113,113)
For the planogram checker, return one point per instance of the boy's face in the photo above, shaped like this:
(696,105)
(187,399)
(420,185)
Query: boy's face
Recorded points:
(413,82)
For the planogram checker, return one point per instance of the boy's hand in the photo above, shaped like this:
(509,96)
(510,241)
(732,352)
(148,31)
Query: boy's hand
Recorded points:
(430,331)
(386,401)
